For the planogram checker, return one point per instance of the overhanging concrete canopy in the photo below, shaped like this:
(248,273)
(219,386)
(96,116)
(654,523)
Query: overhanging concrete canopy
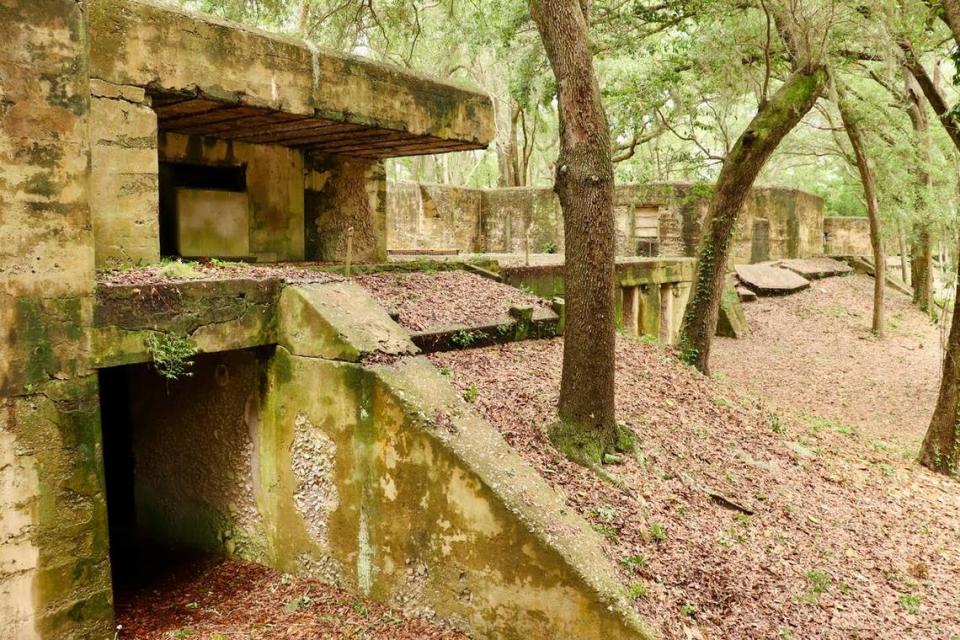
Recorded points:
(221,79)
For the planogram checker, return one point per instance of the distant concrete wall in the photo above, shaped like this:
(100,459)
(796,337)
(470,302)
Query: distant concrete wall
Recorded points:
(846,236)
(775,223)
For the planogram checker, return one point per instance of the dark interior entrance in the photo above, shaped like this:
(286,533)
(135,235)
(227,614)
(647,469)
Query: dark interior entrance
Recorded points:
(178,462)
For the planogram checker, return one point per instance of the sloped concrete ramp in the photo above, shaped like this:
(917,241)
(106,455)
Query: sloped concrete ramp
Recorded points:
(769,280)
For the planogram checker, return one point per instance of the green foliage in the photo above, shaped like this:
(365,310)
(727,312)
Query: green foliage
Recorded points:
(471,394)
(818,583)
(179,270)
(171,354)
(464,338)
(634,563)
(638,590)
(911,603)
(658,532)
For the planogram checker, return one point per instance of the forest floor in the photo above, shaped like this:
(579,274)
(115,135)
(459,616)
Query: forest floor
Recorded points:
(739,522)
(812,355)
(233,600)
(444,298)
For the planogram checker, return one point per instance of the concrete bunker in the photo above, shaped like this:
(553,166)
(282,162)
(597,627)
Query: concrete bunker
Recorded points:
(178,457)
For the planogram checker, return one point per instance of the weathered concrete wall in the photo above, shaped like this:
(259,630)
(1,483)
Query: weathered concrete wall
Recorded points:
(344,193)
(54,571)
(123,180)
(790,221)
(275,184)
(846,236)
(432,217)
(652,293)
(142,44)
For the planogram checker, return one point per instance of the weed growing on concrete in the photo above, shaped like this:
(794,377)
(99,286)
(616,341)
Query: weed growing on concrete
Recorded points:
(171,355)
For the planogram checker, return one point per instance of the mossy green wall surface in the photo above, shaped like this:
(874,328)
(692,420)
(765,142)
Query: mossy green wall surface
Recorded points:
(425,507)
(54,567)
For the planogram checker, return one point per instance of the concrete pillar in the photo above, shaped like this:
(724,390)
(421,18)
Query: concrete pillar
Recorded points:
(649,296)
(666,313)
(124,188)
(55,572)
(342,194)
(631,310)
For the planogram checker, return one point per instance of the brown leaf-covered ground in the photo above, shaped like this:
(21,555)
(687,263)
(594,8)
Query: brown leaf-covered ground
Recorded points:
(233,600)
(444,298)
(812,353)
(845,540)
(190,270)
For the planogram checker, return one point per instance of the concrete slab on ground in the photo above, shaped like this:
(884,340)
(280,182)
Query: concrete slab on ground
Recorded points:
(746,295)
(768,280)
(816,268)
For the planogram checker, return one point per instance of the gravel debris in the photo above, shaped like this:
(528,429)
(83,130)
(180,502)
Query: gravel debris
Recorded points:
(846,540)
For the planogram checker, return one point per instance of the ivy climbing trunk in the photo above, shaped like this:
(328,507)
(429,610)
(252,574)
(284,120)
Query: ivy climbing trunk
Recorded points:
(775,118)
(584,185)
(873,213)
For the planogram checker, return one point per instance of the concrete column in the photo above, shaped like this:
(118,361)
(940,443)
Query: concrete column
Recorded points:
(666,313)
(55,576)
(631,310)
(649,296)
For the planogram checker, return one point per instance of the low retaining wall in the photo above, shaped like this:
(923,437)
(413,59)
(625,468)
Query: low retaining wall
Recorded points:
(652,293)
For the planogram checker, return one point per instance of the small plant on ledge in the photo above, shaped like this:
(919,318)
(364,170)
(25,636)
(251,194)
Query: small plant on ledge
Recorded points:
(171,355)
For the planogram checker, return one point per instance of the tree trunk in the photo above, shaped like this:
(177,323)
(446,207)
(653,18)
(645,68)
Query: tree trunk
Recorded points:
(904,262)
(939,450)
(775,118)
(921,249)
(584,185)
(873,214)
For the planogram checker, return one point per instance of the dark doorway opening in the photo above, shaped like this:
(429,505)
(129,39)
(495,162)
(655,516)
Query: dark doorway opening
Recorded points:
(178,463)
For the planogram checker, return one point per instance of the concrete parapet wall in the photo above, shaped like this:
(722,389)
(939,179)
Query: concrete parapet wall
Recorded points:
(775,223)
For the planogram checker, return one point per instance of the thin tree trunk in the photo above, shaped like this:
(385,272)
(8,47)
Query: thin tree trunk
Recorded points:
(873,214)
(921,250)
(584,185)
(775,118)
(904,262)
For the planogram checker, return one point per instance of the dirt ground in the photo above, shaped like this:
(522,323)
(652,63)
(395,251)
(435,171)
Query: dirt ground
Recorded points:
(732,521)
(812,354)
(232,600)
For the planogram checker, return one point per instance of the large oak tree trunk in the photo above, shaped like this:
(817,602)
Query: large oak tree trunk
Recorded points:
(939,450)
(774,120)
(873,214)
(584,185)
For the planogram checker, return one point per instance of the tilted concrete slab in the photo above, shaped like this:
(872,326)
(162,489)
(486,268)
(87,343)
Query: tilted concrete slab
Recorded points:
(769,280)
(816,268)
(338,320)
(222,79)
